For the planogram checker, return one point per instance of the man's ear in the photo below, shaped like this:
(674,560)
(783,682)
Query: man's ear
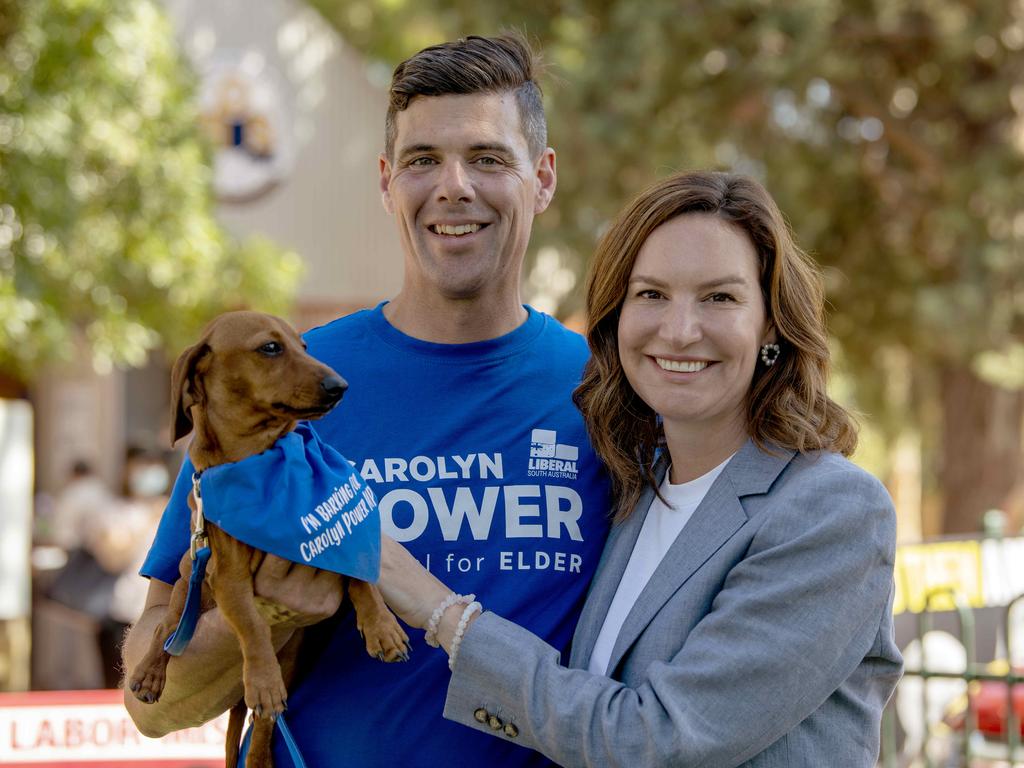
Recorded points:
(385,182)
(186,389)
(547,179)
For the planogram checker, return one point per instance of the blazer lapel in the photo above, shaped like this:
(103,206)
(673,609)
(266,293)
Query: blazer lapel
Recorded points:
(719,515)
(617,549)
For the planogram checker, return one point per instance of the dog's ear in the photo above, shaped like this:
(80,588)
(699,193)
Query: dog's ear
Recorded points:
(186,389)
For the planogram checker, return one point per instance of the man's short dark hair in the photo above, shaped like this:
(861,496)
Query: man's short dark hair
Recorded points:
(471,65)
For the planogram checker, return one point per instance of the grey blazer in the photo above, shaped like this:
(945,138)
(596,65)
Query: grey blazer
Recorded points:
(764,638)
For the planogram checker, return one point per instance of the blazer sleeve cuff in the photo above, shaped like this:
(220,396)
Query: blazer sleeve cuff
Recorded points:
(489,687)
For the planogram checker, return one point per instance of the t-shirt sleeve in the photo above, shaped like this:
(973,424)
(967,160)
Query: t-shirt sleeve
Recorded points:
(172,536)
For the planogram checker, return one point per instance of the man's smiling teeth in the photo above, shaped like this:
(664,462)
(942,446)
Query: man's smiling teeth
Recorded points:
(455,229)
(682,366)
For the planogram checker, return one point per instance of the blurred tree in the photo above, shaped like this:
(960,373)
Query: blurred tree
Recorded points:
(106,215)
(892,134)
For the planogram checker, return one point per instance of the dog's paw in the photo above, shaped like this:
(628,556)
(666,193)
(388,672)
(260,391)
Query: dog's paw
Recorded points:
(386,640)
(147,681)
(265,692)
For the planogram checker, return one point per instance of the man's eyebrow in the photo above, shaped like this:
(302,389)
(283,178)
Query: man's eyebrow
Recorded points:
(504,149)
(415,149)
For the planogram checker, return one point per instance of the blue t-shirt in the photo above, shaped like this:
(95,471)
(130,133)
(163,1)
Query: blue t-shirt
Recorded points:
(482,468)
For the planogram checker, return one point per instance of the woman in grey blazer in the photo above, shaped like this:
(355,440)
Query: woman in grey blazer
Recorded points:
(741,612)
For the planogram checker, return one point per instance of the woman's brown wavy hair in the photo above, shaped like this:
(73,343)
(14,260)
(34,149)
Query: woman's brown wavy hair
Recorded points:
(788,405)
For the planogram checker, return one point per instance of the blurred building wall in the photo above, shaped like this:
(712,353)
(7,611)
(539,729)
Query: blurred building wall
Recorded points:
(327,207)
(324,204)
(79,416)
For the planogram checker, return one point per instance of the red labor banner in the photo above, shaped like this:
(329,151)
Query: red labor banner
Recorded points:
(92,729)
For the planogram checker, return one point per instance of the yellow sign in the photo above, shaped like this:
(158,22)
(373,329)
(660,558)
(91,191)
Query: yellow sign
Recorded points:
(928,576)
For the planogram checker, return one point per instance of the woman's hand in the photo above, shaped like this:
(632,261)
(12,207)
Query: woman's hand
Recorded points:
(408,588)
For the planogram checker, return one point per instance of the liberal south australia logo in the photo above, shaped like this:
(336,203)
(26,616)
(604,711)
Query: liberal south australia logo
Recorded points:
(550,458)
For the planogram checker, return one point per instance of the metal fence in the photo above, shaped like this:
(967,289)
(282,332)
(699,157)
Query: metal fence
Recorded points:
(981,729)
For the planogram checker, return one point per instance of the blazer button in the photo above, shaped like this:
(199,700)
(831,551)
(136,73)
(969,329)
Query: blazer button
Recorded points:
(511,731)
(495,723)
(480,715)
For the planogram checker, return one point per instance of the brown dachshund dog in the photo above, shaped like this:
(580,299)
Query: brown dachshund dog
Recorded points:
(243,386)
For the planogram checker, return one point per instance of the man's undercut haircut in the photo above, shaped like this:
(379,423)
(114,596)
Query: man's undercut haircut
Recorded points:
(472,65)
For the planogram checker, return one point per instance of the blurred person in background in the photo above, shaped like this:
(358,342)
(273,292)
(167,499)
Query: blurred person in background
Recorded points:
(82,511)
(106,537)
(121,544)
(80,505)
(75,599)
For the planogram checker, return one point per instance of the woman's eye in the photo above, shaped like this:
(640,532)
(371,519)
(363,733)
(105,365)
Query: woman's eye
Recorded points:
(720,297)
(649,293)
(271,349)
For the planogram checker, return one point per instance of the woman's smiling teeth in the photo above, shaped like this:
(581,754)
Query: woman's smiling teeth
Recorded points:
(454,229)
(682,366)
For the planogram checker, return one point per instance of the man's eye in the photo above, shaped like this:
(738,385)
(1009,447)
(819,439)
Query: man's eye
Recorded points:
(422,161)
(271,349)
(488,160)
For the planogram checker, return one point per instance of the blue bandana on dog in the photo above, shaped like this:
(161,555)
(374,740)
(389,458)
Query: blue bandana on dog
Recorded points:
(300,500)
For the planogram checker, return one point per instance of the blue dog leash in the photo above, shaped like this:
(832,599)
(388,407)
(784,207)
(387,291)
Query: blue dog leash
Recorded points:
(179,639)
(200,550)
(182,635)
(289,742)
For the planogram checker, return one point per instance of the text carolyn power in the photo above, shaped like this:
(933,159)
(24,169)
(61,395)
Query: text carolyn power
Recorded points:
(344,521)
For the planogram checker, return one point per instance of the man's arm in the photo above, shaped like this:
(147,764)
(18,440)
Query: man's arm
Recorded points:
(201,683)
(207,678)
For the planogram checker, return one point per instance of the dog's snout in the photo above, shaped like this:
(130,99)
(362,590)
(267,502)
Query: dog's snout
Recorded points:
(334,387)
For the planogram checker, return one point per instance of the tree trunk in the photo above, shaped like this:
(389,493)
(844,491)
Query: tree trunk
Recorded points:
(981,465)
(12,388)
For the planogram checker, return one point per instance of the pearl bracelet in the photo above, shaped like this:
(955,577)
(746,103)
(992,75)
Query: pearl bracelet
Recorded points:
(435,618)
(460,630)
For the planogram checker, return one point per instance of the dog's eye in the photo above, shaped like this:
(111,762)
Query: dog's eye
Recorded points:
(271,349)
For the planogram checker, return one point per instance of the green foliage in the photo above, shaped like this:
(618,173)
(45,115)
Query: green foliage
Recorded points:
(891,133)
(106,224)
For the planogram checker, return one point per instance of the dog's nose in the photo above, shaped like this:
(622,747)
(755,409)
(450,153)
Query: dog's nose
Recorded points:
(334,387)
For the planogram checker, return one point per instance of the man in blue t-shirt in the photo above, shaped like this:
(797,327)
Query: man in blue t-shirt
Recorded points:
(459,412)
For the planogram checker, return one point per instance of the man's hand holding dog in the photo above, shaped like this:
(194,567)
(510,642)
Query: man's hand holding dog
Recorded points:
(296,595)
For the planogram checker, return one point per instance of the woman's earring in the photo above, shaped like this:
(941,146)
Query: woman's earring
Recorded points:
(770,354)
